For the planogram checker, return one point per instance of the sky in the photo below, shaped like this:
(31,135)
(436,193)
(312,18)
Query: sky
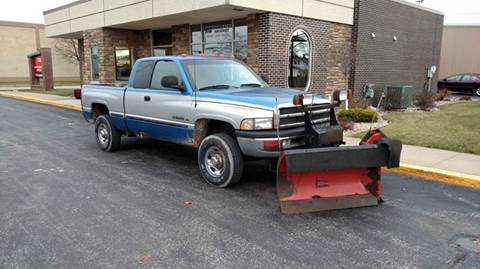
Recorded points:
(456,11)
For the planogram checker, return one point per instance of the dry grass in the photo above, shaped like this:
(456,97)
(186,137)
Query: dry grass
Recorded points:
(454,127)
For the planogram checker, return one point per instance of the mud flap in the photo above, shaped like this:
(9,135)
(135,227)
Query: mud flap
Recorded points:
(310,180)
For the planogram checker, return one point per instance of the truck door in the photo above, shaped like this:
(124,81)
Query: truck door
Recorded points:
(158,109)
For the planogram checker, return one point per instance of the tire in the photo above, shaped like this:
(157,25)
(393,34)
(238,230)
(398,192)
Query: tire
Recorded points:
(477,92)
(220,160)
(108,137)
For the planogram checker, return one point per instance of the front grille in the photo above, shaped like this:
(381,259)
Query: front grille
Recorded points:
(294,117)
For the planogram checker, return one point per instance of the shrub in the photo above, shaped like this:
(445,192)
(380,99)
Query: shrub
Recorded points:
(442,95)
(359,115)
(425,100)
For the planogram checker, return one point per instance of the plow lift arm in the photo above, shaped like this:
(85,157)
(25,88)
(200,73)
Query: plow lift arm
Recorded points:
(326,176)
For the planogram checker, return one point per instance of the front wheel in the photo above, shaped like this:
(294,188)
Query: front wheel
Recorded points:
(477,92)
(108,137)
(220,160)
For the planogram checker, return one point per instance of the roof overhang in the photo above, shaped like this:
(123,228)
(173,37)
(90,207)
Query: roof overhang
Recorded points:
(72,19)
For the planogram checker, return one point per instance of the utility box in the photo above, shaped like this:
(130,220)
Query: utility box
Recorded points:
(398,97)
(41,73)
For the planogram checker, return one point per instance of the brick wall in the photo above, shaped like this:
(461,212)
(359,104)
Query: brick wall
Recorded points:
(181,39)
(268,47)
(106,39)
(383,61)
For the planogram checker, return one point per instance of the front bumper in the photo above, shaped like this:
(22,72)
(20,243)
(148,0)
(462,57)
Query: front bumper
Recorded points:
(252,143)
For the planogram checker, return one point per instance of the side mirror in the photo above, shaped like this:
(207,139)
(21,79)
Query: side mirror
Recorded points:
(172,83)
(339,96)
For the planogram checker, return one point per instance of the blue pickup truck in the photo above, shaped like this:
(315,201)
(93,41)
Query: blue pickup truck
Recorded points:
(218,105)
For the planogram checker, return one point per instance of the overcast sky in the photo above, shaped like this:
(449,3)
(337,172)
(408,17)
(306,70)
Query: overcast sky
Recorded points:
(456,11)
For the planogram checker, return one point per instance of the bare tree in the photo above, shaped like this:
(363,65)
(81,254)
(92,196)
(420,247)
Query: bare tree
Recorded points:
(69,50)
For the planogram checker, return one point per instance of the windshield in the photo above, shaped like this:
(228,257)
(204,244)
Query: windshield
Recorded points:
(220,74)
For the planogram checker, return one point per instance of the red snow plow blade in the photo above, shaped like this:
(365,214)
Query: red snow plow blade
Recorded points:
(327,178)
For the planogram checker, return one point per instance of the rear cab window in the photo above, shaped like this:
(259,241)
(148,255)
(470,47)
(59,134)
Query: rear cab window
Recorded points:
(143,74)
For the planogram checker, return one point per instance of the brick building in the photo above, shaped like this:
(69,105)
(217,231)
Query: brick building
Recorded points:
(307,44)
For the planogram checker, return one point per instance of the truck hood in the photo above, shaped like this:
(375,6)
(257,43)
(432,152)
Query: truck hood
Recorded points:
(265,97)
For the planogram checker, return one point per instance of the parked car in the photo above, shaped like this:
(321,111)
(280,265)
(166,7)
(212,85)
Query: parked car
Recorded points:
(467,83)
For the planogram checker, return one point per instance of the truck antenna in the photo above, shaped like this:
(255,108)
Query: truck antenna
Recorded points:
(276,117)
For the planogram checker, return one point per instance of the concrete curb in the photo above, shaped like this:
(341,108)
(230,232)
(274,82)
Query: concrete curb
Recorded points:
(426,173)
(439,175)
(42,101)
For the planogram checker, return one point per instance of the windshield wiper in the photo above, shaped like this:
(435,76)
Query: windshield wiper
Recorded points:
(252,85)
(216,87)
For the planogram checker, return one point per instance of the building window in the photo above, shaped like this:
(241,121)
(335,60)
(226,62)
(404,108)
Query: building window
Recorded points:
(225,37)
(299,60)
(95,64)
(162,43)
(123,63)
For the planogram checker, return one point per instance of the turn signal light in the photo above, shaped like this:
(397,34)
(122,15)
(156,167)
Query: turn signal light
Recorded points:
(271,145)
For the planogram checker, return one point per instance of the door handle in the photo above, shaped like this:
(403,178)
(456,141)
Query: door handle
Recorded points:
(146,98)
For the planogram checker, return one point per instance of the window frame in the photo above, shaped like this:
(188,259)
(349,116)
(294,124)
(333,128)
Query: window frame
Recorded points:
(165,47)
(130,54)
(91,63)
(232,42)
(310,63)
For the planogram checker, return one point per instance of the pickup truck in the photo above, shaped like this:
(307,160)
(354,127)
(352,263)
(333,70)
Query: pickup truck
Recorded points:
(217,105)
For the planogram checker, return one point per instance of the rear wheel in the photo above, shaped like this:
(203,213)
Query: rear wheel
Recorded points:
(108,137)
(220,160)
(477,92)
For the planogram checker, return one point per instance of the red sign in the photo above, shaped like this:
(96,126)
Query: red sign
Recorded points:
(37,64)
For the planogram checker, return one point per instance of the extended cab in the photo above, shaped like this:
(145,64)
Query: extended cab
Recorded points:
(217,105)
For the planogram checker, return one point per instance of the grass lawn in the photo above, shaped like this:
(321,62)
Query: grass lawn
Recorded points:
(454,127)
(60,92)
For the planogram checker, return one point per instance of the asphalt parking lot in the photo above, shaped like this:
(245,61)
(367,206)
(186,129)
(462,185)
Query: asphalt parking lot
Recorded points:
(66,204)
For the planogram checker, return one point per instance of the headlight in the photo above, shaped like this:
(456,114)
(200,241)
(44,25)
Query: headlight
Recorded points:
(257,124)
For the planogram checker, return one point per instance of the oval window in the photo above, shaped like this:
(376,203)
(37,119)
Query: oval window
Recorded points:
(299,60)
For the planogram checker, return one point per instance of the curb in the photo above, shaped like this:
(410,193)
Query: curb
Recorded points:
(427,173)
(438,175)
(42,101)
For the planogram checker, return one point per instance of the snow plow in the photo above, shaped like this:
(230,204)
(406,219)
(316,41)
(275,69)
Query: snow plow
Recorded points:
(324,175)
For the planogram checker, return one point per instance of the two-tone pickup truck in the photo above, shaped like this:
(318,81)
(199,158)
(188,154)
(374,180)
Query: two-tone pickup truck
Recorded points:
(218,105)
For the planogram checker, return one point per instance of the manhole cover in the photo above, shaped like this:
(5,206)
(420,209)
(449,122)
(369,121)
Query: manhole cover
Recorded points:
(470,244)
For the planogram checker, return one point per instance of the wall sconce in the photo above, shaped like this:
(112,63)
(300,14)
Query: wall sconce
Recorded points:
(372,35)
(394,38)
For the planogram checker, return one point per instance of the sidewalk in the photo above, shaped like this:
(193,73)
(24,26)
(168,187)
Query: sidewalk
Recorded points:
(437,161)
(46,99)
(27,87)
(440,165)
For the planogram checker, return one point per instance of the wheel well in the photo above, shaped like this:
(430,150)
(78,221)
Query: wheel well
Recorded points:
(205,127)
(98,109)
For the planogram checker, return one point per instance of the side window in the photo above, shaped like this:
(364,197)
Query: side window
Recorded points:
(454,78)
(143,74)
(469,78)
(164,69)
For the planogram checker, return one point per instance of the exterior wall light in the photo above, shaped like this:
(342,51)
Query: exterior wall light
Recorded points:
(394,38)
(372,35)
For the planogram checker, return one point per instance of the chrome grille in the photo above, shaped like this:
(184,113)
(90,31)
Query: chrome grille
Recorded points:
(293,117)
